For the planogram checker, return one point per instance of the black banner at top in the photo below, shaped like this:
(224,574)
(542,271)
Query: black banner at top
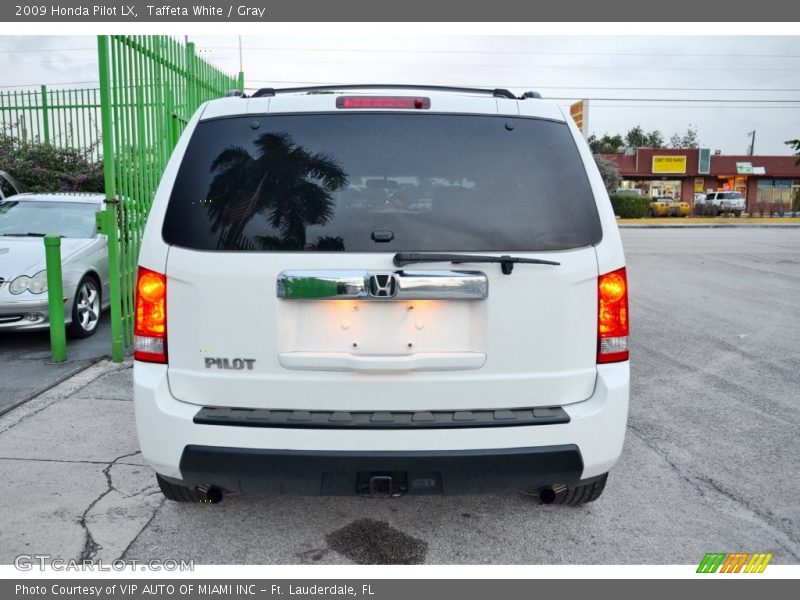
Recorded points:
(254,11)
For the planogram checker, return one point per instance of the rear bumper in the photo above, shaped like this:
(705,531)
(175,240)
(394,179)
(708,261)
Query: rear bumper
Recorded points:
(294,460)
(340,473)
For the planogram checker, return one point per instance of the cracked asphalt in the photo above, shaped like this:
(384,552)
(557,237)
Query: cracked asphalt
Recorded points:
(710,460)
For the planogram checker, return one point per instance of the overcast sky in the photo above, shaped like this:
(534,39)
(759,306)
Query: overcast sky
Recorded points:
(713,77)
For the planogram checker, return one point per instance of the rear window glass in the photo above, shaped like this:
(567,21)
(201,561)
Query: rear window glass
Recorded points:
(381,183)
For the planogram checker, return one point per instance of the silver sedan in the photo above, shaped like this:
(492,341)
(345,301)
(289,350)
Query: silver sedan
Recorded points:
(24,220)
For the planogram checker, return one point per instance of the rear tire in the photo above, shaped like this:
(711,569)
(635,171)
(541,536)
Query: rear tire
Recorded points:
(589,491)
(177,492)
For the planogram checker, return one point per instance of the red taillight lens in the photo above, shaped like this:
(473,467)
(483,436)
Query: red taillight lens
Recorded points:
(150,325)
(612,317)
(401,102)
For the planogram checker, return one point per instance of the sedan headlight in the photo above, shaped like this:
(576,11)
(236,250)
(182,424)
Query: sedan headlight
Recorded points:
(35,285)
(38,283)
(19,285)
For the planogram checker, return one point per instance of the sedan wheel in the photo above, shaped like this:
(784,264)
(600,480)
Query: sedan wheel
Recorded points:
(85,309)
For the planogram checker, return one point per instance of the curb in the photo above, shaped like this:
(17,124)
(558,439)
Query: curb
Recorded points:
(65,377)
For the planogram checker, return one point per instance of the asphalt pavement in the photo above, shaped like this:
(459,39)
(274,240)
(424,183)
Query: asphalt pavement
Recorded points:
(26,368)
(710,460)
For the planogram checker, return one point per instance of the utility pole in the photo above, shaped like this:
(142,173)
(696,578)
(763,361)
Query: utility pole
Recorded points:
(752,135)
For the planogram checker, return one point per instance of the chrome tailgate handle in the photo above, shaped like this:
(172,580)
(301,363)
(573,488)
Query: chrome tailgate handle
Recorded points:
(382,285)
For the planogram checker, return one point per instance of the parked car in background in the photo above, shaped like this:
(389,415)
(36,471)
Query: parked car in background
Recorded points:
(24,220)
(721,202)
(664,206)
(8,186)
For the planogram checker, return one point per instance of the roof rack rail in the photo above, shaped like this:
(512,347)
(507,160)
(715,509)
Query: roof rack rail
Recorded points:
(496,93)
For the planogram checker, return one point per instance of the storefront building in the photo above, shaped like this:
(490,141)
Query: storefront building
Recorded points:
(767,182)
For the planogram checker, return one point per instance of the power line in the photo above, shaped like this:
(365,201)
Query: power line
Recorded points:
(15,50)
(52,62)
(498,52)
(312,61)
(36,85)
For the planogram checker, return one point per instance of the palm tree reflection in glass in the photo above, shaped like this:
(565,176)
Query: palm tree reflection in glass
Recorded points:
(287,185)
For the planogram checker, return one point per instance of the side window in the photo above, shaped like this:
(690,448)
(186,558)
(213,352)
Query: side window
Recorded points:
(6,188)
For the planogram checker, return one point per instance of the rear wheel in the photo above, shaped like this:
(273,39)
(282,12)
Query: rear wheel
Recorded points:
(85,308)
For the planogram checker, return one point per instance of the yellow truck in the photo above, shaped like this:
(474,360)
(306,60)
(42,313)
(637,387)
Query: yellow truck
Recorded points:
(664,206)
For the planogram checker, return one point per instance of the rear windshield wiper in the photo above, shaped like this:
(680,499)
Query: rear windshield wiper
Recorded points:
(29,234)
(506,262)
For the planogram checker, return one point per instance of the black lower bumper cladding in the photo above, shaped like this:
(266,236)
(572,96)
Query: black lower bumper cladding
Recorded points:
(337,473)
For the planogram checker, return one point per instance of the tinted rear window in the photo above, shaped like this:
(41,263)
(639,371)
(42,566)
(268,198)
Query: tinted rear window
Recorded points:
(338,182)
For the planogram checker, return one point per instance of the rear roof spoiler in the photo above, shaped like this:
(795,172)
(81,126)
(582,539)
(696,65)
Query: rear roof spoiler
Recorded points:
(496,93)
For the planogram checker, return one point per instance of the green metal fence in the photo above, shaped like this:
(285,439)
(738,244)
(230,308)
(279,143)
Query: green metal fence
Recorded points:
(149,88)
(68,118)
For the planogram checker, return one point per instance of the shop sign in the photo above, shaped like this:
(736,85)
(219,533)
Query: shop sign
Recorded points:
(580,114)
(744,168)
(669,164)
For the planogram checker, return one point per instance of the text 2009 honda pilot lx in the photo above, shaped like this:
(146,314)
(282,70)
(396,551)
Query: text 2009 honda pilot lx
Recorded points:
(381,291)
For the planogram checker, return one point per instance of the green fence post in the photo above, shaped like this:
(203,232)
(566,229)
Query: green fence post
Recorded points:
(240,81)
(55,297)
(45,116)
(191,79)
(107,223)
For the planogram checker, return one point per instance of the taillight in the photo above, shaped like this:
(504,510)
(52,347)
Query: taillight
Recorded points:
(401,102)
(612,317)
(150,326)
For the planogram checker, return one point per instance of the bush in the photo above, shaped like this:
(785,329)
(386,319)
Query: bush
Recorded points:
(608,171)
(627,206)
(41,167)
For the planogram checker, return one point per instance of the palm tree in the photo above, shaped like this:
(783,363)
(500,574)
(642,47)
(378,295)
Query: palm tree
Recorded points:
(292,187)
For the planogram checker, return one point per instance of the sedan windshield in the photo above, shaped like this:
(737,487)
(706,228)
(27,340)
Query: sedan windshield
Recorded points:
(39,218)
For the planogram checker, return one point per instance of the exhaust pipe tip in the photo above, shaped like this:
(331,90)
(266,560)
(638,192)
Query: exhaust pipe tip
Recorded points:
(212,494)
(551,493)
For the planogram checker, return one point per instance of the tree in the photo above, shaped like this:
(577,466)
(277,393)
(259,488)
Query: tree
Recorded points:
(608,171)
(687,140)
(607,144)
(655,139)
(795,144)
(638,138)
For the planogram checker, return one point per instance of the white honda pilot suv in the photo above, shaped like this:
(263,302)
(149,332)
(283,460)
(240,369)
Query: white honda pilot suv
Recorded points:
(381,290)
